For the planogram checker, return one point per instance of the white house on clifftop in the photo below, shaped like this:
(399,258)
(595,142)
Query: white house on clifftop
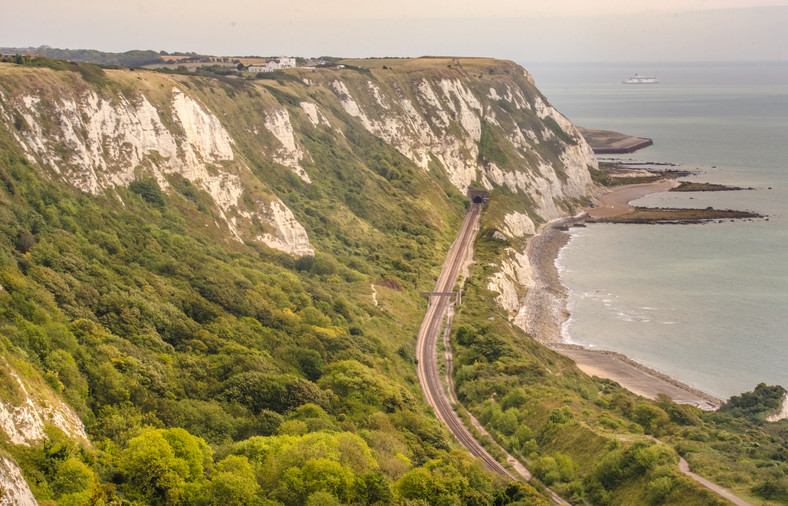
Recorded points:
(284,62)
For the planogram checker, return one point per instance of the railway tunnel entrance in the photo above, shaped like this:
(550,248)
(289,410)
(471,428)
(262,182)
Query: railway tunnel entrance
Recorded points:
(478,196)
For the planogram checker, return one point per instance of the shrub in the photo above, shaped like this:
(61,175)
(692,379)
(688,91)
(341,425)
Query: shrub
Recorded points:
(560,415)
(280,393)
(650,417)
(659,488)
(323,265)
(150,191)
(546,469)
(465,334)
(772,489)
(25,241)
(756,404)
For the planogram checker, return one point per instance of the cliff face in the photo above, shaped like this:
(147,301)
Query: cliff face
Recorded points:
(476,122)
(28,404)
(99,139)
(15,488)
(483,122)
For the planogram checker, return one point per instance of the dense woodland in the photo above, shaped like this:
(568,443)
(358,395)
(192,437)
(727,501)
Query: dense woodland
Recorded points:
(210,371)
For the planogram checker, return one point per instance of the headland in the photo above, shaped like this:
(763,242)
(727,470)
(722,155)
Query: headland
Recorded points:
(607,142)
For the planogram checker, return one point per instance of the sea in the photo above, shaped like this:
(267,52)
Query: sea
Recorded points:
(705,304)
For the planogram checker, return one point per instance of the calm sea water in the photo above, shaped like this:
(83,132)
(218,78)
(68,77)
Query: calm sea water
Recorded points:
(706,304)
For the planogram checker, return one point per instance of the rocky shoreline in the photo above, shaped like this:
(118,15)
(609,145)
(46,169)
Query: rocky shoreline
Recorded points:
(543,309)
(673,216)
(544,312)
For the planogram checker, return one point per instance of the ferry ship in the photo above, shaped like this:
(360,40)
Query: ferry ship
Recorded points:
(638,79)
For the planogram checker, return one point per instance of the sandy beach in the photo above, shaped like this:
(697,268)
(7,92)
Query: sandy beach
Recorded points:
(544,307)
(616,202)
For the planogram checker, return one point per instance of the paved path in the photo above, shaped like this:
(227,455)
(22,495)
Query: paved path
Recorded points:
(721,491)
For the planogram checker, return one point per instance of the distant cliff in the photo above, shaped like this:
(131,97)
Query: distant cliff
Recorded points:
(476,122)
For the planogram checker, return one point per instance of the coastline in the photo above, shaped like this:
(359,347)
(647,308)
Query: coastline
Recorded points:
(616,202)
(544,312)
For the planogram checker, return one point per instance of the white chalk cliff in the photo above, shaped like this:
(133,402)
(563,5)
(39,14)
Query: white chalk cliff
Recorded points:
(15,490)
(445,119)
(290,235)
(28,407)
(290,154)
(98,142)
(23,421)
(511,280)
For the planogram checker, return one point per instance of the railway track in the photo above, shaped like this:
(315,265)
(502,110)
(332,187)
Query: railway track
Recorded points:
(426,349)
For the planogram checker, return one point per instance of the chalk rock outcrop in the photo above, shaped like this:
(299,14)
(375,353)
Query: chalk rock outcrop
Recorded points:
(97,141)
(15,490)
(23,418)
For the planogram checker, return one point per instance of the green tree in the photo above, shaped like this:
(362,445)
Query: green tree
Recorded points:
(232,483)
(148,188)
(304,263)
(191,449)
(373,488)
(359,388)
(465,334)
(756,404)
(25,241)
(546,469)
(323,265)
(158,463)
(506,421)
(280,393)
(73,477)
(419,484)
(320,475)
(650,417)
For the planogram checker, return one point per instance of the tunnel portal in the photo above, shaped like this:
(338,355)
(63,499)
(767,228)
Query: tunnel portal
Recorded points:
(478,196)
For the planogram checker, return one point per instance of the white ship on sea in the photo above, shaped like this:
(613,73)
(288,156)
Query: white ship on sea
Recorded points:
(638,79)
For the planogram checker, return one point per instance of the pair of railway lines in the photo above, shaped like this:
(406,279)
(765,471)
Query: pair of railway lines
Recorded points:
(426,348)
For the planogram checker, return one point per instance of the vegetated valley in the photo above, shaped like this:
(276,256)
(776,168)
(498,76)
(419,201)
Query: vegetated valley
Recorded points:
(210,295)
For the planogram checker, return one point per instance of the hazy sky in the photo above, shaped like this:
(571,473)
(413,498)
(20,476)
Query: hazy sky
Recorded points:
(522,30)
